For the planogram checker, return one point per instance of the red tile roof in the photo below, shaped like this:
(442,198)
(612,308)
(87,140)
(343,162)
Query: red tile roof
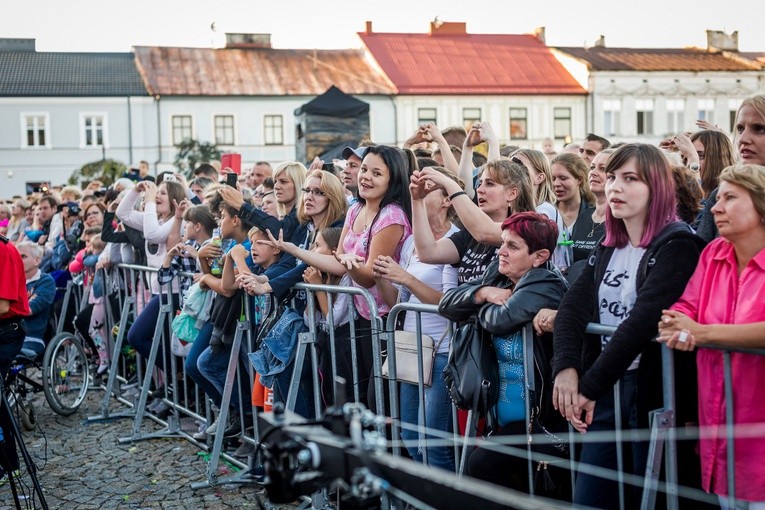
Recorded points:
(659,59)
(257,71)
(469,64)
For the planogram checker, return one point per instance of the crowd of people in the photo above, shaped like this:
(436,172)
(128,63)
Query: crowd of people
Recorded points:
(664,240)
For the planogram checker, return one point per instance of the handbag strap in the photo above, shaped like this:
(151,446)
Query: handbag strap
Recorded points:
(438,345)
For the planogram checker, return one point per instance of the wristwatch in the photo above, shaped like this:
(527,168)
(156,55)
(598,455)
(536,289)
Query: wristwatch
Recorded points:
(694,167)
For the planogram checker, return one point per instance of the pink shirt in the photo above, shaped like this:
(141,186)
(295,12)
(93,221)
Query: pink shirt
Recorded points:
(391,214)
(716,294)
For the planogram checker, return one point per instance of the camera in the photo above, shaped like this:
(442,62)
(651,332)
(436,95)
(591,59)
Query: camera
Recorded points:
(170,178)
(328,167)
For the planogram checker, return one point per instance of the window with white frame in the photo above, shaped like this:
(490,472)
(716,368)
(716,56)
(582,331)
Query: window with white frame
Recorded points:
(644,108)
(612,116)
(519,124)
(273,130)
(34,128)
(182,128)
(224,129)
(562,123)
(675,115)
(93,130)
(733,105)
(426,115)
(706,109)
(470,116)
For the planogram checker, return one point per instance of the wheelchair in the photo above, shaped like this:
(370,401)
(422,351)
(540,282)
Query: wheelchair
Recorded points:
(63,371)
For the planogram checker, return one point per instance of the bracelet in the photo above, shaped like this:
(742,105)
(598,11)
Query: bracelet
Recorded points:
(455,195)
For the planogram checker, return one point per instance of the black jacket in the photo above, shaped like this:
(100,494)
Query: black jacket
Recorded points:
(539,288)
(663,272)
(130,236)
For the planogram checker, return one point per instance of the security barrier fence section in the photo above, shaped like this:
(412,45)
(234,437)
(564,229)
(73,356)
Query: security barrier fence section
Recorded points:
(323,369)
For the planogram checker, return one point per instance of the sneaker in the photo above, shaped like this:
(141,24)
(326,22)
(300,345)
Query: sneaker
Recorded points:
(102,369)
(131,393)
(16,474)
(233,425)
(212,428)
(162,410)
(201,434)
(245,450)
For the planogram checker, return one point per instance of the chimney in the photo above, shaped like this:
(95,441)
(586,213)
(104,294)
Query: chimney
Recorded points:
(248,41)
(539,33)
(601,42)
(717,40)
(447,28)
(368,28)
(17,45)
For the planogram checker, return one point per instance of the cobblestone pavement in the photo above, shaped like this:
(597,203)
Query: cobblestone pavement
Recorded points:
(83,466)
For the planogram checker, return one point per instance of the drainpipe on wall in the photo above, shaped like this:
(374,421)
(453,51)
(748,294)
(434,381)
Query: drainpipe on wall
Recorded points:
(159,135)
(130,131)
(395,120)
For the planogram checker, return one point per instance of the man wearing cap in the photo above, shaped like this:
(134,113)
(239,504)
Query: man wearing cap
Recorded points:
(14,306)
(353,158)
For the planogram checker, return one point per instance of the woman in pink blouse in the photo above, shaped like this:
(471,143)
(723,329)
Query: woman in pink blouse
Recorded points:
(723,305)
(376,225)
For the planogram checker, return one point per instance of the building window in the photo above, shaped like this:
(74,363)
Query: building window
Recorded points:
(181,128)
(733,105)
(675,115)
(519,124)
(562,124)
(426,115)
(224,130)
(706,110)
(273,132)
(644,109)
(612,116)
(92,130)
(34,128)
(470,116)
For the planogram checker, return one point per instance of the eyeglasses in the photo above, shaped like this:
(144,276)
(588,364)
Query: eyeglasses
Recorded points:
(315,192)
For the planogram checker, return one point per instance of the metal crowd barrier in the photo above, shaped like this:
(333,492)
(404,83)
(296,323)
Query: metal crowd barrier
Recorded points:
(662,435)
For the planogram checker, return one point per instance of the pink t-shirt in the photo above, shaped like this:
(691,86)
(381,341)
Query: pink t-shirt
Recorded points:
(717,294)
(391,214)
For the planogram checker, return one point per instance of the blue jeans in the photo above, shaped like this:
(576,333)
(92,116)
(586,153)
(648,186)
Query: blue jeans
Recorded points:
(597,492)
(201,343)
(438,416)
(212,366)
(141,333)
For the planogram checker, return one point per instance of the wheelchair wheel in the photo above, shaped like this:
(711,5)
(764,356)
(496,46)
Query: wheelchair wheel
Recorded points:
(65,374)
(27,414)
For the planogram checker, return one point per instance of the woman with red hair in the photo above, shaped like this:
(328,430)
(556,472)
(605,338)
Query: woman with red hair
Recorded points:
(639,269)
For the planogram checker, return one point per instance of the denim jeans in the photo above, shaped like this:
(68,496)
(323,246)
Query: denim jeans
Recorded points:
(438,416)
(213,367)
(597,492)
(141,333)
(199,345)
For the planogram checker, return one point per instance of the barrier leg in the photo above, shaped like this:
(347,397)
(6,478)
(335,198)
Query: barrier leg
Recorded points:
(231,379)
(660,422)
(163,321)
(128,307)
(472,422)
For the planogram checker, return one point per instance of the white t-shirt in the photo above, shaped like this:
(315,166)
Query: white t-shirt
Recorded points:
(441,277)
(562,257)
(618,290)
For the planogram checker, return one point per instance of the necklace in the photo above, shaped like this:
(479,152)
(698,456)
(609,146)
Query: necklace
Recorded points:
(595,224)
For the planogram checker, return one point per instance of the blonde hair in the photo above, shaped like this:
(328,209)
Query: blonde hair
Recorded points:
(296,172)
(541,164)
(73,190)
(332,188)
(751,178)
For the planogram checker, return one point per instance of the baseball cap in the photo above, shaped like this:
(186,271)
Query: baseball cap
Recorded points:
(359,152)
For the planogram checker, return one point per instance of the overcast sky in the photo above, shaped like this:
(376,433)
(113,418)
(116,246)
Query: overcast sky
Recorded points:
(114,25)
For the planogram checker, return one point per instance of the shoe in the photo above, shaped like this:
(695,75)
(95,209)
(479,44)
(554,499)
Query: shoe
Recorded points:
(245,450)
(201,434)
(102,369)
(131,393)
(212,428)
(16,474)
(233,425)
(162,410)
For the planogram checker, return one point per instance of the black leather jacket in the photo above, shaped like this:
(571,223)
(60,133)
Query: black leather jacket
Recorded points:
(539,288)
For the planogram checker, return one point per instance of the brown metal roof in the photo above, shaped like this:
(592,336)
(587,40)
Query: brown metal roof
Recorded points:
(257,71)
(659,59)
